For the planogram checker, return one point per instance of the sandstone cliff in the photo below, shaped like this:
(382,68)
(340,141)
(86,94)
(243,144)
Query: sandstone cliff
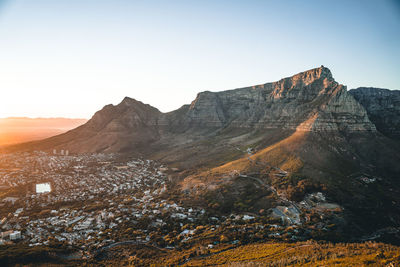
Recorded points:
(283,104)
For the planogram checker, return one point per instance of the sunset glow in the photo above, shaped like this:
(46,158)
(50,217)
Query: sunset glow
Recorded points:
(199,133)
(69,59)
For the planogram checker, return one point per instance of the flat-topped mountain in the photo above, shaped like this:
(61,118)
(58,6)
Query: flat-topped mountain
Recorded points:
(302,130)
(307,110)
(284,104)
(308,101)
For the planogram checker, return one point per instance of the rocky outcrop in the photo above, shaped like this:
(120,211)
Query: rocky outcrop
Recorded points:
(383,108)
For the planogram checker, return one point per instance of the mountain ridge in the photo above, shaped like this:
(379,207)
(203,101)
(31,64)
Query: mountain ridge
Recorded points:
(283,99)
(310,101)
(304,129)
(209,130)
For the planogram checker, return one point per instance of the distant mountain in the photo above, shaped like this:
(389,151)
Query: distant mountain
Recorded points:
(21,129)
(383,108)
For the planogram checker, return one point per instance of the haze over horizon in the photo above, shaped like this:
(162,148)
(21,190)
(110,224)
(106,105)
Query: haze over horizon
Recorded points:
(70,58)
(22,129)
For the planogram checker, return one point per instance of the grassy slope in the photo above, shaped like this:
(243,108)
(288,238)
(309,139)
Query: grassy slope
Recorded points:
(305,254)
(308,253)
(280,154)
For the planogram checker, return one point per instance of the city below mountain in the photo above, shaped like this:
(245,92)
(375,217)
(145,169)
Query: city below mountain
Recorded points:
(260,169)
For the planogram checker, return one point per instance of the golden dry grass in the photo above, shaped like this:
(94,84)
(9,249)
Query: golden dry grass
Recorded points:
(304,254)
(281,154)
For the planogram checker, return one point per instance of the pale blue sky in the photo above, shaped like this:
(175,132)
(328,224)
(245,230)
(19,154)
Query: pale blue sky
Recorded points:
(71,57)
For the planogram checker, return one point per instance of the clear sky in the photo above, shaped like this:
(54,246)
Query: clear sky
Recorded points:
(71,57)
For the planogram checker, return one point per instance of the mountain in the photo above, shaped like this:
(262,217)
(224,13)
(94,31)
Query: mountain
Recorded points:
(307,106)
(285,104)
(20,129)
(266,145)
(383,108)
(309,101)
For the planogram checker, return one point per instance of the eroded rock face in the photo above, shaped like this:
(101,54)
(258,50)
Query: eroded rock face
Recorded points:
(383,108)
(311,95)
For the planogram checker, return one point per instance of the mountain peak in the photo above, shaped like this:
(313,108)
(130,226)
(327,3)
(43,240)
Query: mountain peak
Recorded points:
(128,100)
(129,103)
(325,70)
(312,75)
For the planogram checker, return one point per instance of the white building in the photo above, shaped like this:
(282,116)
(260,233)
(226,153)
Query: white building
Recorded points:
(15,235)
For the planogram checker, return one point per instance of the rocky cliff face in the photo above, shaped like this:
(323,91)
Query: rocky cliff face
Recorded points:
(283,104)
(383,108)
